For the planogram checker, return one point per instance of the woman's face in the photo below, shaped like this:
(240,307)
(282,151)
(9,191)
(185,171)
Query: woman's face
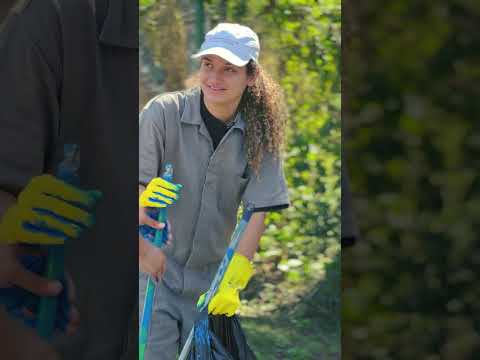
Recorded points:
(222,83)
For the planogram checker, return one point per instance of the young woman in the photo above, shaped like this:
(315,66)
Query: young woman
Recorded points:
(224,138)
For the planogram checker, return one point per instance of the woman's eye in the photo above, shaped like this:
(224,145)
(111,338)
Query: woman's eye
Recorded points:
(230,70)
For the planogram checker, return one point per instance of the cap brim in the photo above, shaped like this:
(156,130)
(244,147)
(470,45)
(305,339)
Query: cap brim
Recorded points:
(225,54)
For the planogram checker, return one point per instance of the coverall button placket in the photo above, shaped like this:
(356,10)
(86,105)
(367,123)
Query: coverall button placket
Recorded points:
(208,191)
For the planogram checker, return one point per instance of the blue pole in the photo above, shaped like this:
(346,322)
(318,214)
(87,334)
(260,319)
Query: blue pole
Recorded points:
(68,172)
(150,290)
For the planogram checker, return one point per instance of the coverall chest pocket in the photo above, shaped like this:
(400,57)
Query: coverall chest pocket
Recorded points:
(233,177)
(231,193)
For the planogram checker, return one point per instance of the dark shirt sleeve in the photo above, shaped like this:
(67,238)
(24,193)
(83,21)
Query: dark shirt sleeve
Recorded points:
(349,231)
(29,107)
(271,208)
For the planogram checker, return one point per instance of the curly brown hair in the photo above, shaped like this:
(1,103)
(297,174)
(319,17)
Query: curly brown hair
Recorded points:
(264,109)
(265,113)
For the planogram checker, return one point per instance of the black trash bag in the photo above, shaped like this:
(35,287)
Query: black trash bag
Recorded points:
(230,333)
(219,338)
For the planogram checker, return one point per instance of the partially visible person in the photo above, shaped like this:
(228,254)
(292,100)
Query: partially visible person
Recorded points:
(69,74)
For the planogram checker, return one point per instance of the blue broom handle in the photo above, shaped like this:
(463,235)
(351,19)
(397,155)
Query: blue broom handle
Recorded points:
(150,290)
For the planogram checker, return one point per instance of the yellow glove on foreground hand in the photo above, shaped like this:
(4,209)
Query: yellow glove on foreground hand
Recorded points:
(159,193)
(48,211)
(227,300)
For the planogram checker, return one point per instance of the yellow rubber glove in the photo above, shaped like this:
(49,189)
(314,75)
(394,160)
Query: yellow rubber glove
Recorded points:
(48,211)
(159,193)
(227,300)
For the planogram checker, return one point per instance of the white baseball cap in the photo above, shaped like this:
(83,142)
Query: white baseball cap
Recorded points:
(235,43)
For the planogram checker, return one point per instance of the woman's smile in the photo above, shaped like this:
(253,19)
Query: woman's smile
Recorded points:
(216,88)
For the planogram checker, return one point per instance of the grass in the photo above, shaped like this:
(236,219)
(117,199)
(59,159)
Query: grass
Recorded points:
(291,320)
(279,337)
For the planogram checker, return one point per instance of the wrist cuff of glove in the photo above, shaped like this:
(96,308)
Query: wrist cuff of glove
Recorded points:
(244,268)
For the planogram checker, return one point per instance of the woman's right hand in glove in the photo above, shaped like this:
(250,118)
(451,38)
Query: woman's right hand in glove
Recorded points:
(159,194)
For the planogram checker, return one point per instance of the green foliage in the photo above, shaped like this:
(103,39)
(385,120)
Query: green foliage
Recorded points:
(305,56)
(143,4)
(162,31)
(409,284)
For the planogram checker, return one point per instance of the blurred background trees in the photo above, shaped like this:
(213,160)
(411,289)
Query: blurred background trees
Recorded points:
(411,128)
